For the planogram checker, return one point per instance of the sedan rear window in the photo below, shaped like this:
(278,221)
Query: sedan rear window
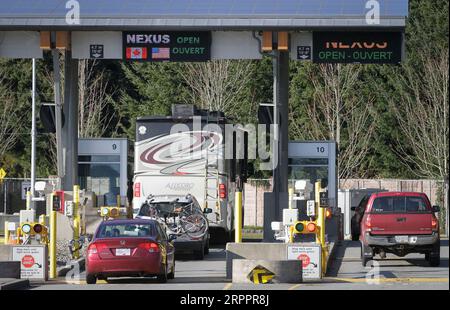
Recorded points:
(126,230)
(396,204)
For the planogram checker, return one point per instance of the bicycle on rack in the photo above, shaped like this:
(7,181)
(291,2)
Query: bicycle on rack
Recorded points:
(179,216)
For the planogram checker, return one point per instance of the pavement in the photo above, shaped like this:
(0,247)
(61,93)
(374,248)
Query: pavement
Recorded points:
(345,273)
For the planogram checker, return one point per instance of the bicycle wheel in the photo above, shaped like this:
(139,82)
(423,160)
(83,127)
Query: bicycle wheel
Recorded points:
(194,225)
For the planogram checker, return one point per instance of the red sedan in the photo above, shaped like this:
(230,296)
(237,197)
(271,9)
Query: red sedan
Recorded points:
(130,248)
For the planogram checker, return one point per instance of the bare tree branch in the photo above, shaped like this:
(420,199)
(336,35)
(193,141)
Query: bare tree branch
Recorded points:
(10,118)
(218,85)
(423,115)
(337,112)
(94,99)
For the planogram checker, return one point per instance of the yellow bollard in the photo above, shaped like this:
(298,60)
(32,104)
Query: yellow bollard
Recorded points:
(6,241)
(76,220)
(52,251)
(238,217)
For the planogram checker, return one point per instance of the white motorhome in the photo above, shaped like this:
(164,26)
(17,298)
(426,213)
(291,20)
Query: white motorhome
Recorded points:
(184,154)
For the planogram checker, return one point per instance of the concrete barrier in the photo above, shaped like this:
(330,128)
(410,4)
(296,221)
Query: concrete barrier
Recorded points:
(259,250)
(10,269)
(285,271)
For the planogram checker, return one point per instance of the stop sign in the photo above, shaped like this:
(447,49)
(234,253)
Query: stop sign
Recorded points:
(305,260)
(28,261)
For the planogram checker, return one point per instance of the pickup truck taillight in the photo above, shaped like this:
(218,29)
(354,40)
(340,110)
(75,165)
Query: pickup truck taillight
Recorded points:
(434,223)
(137,190)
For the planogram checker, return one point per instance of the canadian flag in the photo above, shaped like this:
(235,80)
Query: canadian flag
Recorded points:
(136,53)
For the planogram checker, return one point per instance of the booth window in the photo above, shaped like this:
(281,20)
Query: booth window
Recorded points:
(101,175)
(311,169)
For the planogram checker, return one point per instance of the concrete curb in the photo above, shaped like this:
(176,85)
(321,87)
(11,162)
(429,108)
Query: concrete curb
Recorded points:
(18,284)
(62,272)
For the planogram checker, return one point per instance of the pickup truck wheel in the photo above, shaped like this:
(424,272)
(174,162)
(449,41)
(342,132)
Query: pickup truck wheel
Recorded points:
(434,256)
(364,257)
(435,261)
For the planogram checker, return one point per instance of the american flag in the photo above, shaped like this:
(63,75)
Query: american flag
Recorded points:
(160,53)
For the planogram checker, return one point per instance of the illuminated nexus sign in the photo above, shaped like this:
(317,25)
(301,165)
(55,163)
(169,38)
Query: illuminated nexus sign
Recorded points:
(358,47)
(167,46)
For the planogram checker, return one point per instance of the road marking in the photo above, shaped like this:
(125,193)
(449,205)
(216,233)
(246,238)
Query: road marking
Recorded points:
(391,280)
(228,286)
(83,282)
(294,287)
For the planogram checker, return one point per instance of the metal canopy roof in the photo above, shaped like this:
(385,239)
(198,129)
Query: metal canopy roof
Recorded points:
(199,14)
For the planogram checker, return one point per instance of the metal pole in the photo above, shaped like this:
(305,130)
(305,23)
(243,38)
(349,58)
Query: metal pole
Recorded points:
(238,211)
(52,251)
(70,129)
(76,220)
(6,241)
(33,133)
(4,197)
(276,138)
(58,115)
(283,89)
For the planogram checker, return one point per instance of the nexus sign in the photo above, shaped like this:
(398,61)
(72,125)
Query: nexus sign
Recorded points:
(167,46)
(358,47)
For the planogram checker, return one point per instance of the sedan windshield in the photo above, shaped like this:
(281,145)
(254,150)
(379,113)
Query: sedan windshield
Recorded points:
(126,230)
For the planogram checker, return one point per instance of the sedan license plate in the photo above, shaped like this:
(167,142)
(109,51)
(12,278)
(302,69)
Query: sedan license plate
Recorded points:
(401,239)
(123,252)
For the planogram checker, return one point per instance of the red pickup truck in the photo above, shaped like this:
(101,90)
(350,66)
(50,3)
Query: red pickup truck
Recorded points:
(400,223)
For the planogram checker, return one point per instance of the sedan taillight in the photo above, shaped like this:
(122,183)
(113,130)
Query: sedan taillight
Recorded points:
(152,247)
(94,248)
